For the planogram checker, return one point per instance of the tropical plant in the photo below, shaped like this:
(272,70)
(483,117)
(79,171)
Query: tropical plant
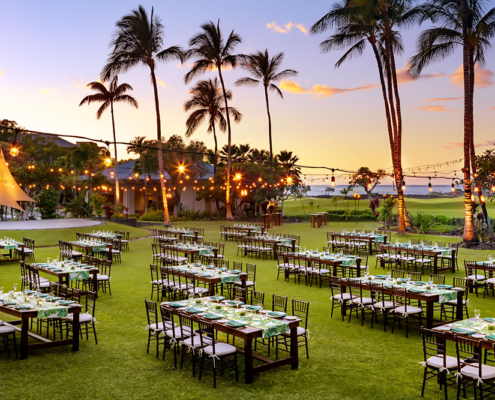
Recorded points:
(422,222)
(47,203)
(96,202)
(114,94)
(461,23)
(207,104)
(139,41)
(386,210)
(265,70)
(359,22)
(78,207)
(212,51)
(374,206)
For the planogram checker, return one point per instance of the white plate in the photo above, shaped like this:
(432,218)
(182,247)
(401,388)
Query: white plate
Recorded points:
(442,328)
(291,317)
(478,336)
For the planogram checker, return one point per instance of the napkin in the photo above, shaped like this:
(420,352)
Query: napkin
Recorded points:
(22,307)
(463,331)
(490,336)
(235,303)
(205,275)
(420,283)
(416,290)
(447,287)
(277,314)
(212,316)
(65,302)
(236,271)
(217,298)
(175,305)
(236,324)
(193,310)
(252,308)
(381,276)
(488,319)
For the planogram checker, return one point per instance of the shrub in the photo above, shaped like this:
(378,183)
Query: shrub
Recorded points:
(386,210)
(47,203)
(153,215)
(422,222)
(443,220)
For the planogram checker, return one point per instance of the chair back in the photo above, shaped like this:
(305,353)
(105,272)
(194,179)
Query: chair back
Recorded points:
(300,309)
(468,354)
(416,276)
(434,345)
(167,318)
(237,265)
(437,279)
(91,303)
(258,298)
(239,294)
(461,283)
(206,330)
(251,272)
(187,327)
(151,312)
(279,303)
(397,273)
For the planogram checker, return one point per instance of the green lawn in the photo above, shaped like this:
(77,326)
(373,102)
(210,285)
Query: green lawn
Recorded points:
(448,207)
(347,361)
(50,237)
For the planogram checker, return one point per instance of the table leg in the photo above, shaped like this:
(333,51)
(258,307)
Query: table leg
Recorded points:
(453,260)
(458,311)
(429,314)
(294,348)
(358,266)
(24,337)
(370,247)
(274,251)
(95,282)
(75,333)
(435,265)
(248,360)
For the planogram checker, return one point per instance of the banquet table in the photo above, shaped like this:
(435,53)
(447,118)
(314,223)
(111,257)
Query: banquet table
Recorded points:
(195,251)
(209,275)
(367,237)
(67,274)
(247,334)
(429,297)
(482,329)
(91,247)
(333,260)
(179,233)
(271,241)
(425,250)
(236,231)
(104,235)
(11,246)
(24,316)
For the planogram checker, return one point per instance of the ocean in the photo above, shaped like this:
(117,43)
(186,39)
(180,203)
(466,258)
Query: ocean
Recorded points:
(317,190)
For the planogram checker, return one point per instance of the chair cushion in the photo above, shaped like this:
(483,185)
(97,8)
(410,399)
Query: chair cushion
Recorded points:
(221,349)
(198,290)
(476,277)
(102,277)
(437,362)
(83,318)
(410,310)
(491,281)
(487,370)
(159,326)
(6,330)
(76,254)
(454,302)
(197,341)
(364,300)
(343,296)
(248,283)
(385,305)
(177,331)
(300,331)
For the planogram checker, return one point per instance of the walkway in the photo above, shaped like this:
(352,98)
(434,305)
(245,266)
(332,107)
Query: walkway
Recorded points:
(47,224)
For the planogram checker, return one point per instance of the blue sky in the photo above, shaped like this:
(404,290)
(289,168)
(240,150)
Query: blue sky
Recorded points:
(51,50)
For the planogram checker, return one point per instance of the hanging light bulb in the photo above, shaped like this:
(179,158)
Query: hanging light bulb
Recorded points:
(476,189)
(14,150)
(430,188)
(482,199)
(332,181)
(108,158)
(453,186)
(403,185)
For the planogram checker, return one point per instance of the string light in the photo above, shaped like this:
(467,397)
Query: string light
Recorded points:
(403,185)
(430,188)
(453,186)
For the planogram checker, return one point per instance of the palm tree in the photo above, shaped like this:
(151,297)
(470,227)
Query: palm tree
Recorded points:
(265,70)
(139,40)
(114,94)
(212,51)
(359,22)
(207,103)
(462,23)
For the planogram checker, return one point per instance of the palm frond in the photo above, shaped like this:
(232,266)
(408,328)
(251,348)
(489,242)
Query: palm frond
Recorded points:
(246,81)
(125,98)
(102,109)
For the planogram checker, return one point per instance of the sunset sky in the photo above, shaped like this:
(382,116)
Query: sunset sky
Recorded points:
(329,117)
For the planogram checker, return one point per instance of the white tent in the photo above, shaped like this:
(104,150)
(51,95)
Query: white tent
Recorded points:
(10,192)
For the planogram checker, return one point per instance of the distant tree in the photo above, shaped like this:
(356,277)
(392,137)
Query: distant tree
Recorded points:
(367,179)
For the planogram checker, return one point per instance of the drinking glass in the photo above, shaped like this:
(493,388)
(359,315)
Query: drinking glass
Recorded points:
(15,287)
(191,298)
(1,290)
(389,275)
(48,260)
(477,314)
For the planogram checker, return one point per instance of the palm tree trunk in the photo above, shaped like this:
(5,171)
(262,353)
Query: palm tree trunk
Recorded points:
(229,146)
(469,230)
(160,156)
(116,174)
(269,123)
(215,161)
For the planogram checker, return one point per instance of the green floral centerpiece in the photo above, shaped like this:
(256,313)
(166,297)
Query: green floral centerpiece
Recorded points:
(242,314)
(198,301)
(491,327)
(218,307)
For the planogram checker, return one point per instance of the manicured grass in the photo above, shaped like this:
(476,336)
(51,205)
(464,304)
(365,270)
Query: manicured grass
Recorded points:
(50,237)
(346,361)
(453,207)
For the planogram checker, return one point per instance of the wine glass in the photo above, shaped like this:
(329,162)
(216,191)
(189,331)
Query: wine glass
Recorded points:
(1,290)
(389,275)
(191,298)
(477,314)
(15,287)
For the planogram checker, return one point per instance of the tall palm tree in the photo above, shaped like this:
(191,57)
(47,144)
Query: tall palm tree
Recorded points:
(208,104)
(265,70)
(461,23)
(139,40)
(359,22)
(114,94)
(212,51)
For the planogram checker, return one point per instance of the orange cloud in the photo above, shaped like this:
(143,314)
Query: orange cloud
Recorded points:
(482,77)
(443,99)
(320,90)
(403,76)
(453,145)
(432,108)
(46,91)
(1,72)
(187,64)
(276,28)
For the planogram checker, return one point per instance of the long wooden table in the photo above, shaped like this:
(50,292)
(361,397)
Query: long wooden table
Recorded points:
(88,249)
(192,253)
(9,257)
(212,280)
(335,264)
(431,253)
(247,334)
(351,237)
(485,344)
(24,317)
(178,234)
(428,299)
(63,277)
(275,243)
